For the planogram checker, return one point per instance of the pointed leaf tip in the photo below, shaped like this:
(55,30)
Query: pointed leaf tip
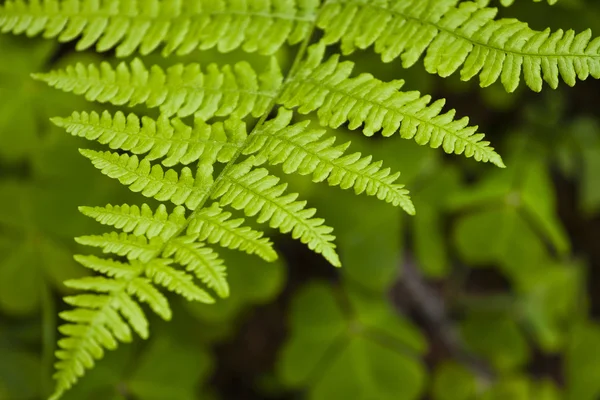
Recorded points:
(58,121)
(497,160)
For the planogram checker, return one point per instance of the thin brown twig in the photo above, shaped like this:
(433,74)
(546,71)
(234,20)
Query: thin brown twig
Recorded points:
(430,306)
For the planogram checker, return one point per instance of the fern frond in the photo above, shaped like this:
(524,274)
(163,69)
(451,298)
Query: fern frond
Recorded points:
(172,139)
(461,35)
(123,244)
(161,273)
(200,260)
(213,225)
(365,100)
(140,220)
(258,193)
(180,25)
(152,180)
(181,90)
(300,150)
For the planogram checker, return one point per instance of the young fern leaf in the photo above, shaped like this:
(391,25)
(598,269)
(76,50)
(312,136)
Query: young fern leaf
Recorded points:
(180,25)
(461,35)
(300,150)
(180,90)
(365,100)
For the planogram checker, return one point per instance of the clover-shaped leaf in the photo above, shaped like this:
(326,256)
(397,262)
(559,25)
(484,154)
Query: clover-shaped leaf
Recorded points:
(359,348)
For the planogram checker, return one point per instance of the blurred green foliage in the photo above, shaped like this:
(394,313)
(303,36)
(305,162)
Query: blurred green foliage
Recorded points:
(516,276)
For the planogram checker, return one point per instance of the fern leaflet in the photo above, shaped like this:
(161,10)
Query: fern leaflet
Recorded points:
(200,260)
(180,90)
(258,193)
(123,244)
(161,273)
(454,34)
(299,150)
(180,25)
(169,138)
(213,225)
(151,180)
(140,221)
(364,100)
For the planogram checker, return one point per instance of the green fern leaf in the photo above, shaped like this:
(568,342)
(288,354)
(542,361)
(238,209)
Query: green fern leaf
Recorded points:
(213,225)
(180,90)
(182,26)
(179,143)
(123,244)
(257,192)
(161,273)
(151,180)
(454,34)
(96,284)
(299,149)
(200,260)
(365,100)
(140,221)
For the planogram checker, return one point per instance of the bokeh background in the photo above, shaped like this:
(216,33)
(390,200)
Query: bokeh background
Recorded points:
(491,291)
